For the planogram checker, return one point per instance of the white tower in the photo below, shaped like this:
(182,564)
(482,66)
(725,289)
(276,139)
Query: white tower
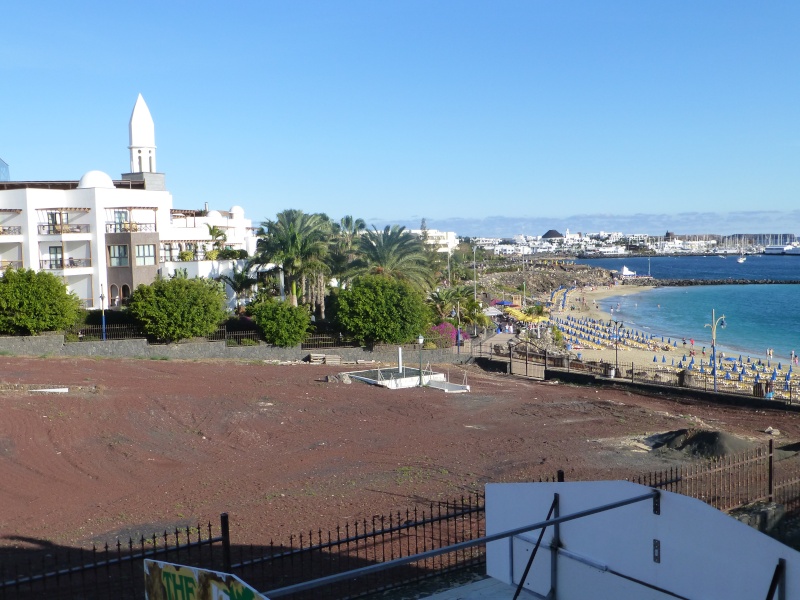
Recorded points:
(142,139)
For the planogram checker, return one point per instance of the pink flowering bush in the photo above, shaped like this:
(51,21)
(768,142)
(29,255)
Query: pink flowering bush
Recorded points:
(445,334)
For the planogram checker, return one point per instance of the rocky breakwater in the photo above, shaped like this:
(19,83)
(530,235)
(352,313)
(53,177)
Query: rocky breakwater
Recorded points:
(688,282)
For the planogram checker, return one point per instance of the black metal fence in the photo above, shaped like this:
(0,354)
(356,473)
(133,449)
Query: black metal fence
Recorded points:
(116,570)
(378,540)
(786,391)
(112,570)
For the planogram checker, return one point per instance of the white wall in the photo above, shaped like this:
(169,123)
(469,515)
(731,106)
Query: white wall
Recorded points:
(704,552)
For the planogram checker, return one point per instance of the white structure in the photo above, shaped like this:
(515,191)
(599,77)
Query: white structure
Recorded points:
(445,241)
(107,237)
(647,550)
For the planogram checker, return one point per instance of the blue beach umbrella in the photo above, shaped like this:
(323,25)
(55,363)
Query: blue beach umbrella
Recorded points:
(663,358)
(774,376)
(680,364)
(727,375)
(758,378)
(655,359)
(780,368)
(684,357)
(740,377)
(673,362)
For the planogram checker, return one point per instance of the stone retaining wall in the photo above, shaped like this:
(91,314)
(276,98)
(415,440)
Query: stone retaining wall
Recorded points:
(54,345)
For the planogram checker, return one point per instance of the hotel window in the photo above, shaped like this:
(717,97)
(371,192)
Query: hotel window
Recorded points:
(118,256)
(145,255)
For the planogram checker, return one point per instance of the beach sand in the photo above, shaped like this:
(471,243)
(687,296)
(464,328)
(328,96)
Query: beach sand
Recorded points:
(586,305)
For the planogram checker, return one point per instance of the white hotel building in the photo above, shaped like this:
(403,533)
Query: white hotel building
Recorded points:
(107,237)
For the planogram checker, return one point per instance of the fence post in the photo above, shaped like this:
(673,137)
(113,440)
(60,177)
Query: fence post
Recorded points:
(633,369)
(771,483)
(226,543)
(560,476)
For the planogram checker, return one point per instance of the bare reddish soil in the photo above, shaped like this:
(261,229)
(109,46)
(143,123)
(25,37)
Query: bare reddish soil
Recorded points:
(140,445)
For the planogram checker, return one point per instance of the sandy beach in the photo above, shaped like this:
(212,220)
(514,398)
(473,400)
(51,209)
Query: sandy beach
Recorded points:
(585,305)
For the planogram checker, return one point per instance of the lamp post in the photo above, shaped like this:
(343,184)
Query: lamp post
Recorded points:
(714,322)
(510,357)
(617,325)
(103,311)
(420,341)
(475,272)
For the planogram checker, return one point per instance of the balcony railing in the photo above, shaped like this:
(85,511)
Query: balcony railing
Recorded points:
(10,264)
(62,228)
(11,230)
(64,263)
(127,227)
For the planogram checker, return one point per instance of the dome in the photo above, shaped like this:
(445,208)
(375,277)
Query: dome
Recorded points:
(214,215)
(237,210)
(95,179)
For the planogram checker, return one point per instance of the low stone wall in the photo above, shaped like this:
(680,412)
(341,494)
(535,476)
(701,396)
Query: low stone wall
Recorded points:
(54,345)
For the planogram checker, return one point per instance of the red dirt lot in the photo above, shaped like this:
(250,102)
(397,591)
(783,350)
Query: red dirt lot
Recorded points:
(137,446)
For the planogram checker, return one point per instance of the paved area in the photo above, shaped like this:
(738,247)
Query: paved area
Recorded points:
(490,589)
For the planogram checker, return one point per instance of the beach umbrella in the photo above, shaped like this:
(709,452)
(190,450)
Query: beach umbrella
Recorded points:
(663,358)
(684,357)
(662,338)
(780,368)
(673,362)
(775,372)
(774,376)
(691,366)
(740,377)
(758,378)
(675,344)
(735,369)
(788,377)
(669,340)
(691,362)
(786,387)
(748,358)
(654,358)
(727,375)
(702,370)
(680,365)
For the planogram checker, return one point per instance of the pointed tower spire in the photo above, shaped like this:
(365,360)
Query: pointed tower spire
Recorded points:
(142,139)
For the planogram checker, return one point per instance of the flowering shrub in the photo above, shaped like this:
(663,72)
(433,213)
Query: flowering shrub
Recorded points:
(445,334)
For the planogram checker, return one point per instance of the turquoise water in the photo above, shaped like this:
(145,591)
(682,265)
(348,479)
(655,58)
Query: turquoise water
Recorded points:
(757,317)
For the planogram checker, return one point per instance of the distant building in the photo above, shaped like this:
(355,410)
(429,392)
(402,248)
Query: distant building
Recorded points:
(445,241)
(107,237)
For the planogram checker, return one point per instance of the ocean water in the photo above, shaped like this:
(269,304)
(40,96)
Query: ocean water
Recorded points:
(757,316)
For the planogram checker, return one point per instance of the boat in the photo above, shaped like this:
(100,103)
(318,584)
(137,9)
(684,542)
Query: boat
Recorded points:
(741,259)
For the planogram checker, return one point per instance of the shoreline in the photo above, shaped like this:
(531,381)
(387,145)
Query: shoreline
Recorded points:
(586,306)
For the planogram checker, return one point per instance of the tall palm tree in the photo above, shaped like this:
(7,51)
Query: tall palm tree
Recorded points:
(218,236)
(393,253)
(344,245)
(240,281)
(295,242)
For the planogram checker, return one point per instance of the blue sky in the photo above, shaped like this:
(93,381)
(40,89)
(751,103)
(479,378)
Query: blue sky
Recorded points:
(483,117)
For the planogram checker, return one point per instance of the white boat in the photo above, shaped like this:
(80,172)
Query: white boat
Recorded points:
(741,259)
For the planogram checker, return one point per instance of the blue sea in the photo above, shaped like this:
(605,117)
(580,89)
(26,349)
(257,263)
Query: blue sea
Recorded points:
(757,316)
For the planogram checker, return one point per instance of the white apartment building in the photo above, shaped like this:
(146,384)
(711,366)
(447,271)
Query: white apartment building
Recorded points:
(445,241)
(105,237)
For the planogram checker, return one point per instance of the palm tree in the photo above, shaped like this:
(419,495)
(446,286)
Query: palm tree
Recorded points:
(295,243)
(240,281)
(217,235)
(344,245)
(393,253)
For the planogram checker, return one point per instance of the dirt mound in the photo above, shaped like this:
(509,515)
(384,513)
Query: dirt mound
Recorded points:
(699,442)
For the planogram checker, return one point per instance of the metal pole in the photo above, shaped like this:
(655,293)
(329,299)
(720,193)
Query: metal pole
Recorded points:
(420,361)
(475,273)
(103,311)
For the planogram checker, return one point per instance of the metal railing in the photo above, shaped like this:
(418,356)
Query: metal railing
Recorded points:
(11,230)
(129,226)
(64,263)
(110,570)
(61,228)
(10,264)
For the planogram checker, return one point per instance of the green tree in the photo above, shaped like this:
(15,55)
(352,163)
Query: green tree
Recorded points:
(344,246)
(218,236)
(280,323)
(32,302)
(296,243)
(379,309)
(240,281)
(178,308)
(394,253)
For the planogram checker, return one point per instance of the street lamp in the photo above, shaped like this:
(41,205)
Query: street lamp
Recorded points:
(617,325)
(103,311)
(475,273)
(714,322)
(420,341)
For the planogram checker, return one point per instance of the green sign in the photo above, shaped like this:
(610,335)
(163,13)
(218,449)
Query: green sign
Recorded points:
(168,581)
